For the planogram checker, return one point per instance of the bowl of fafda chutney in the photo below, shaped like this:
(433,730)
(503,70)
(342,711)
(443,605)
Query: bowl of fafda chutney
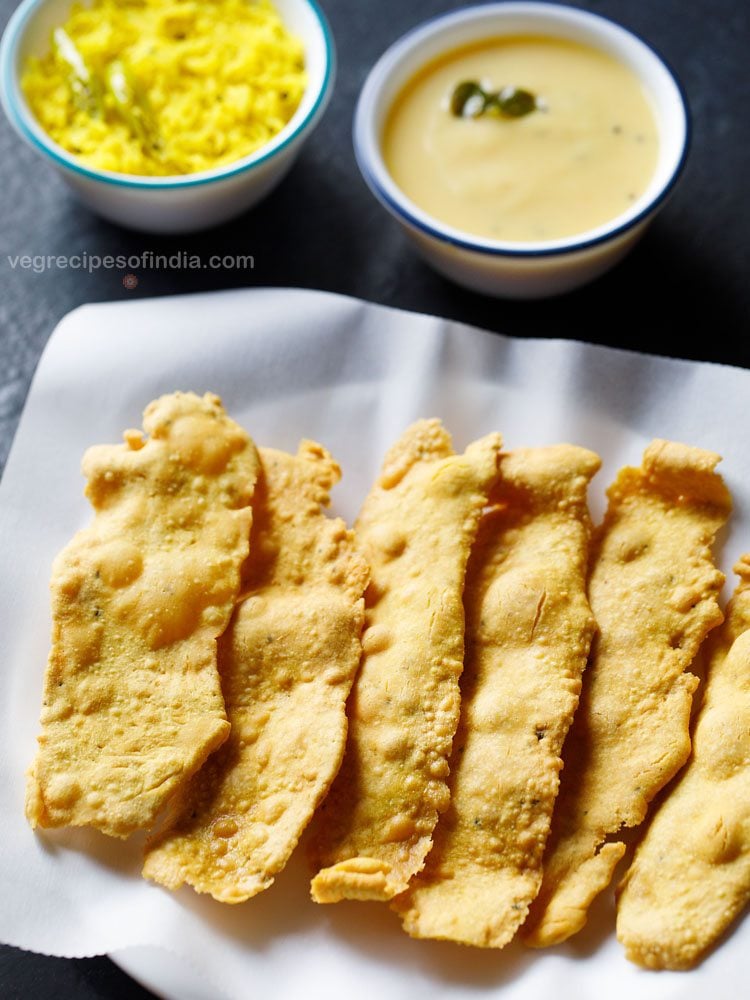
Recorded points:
(523,147)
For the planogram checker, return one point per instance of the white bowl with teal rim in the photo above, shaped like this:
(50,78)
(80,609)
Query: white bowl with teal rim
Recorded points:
(520,269)
(175,204)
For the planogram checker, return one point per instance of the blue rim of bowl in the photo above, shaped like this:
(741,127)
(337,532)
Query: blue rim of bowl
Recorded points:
(574,246)
(14,31)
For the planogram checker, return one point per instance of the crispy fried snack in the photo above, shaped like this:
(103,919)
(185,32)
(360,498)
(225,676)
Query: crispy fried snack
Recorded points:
(653,590)
(528,632)
(132,700)
(416,529)
(691,874)
(287,663)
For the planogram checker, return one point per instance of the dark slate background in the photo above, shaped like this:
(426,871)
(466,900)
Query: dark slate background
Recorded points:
(684,292)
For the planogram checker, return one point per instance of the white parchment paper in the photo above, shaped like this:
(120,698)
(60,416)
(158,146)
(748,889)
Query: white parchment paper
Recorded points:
(290,364)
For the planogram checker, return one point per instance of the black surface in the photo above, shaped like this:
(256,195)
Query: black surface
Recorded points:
(684,291)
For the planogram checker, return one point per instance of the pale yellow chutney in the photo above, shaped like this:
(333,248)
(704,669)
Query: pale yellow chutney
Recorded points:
(581,158)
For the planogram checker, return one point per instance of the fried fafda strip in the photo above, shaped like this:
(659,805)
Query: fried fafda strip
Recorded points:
(416,529)
(132,700)
(690,877)
(287,663)
(528,632)
(653,590)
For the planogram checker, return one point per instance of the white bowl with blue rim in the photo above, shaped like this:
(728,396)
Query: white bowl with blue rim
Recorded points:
(169,204)
(514,269)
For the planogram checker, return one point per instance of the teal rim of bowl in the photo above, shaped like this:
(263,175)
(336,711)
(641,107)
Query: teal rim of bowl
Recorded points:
(8,45)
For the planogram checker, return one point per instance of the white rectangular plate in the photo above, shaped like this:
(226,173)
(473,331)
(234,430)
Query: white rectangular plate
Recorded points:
(292,364)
